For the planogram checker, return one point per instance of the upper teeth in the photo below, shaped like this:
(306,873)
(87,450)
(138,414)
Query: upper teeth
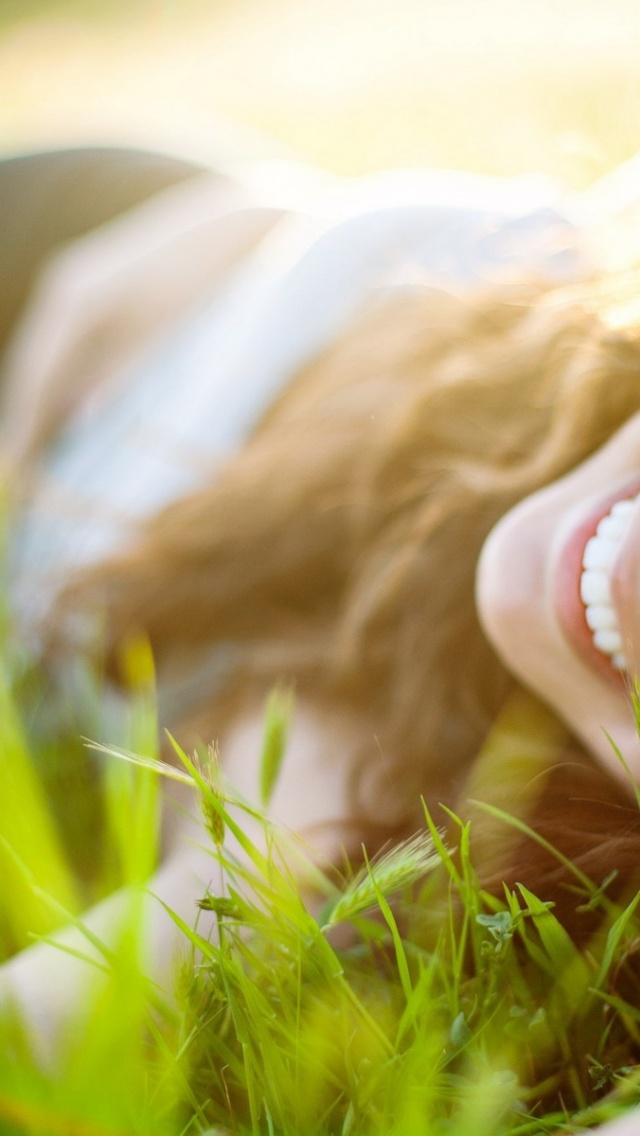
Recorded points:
(595,585)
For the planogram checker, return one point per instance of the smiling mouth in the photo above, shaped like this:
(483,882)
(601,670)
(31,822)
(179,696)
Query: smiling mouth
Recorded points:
(598,558)
(585,563)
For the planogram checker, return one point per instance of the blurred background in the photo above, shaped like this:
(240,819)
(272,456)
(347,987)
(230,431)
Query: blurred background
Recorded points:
(500,86)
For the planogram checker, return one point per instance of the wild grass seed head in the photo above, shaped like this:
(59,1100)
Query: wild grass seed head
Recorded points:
(390,872)
(212,798)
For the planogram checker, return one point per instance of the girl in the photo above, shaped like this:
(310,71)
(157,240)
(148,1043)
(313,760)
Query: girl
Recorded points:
(388,448)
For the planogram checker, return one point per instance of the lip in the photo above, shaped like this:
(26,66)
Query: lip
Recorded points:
(568,606)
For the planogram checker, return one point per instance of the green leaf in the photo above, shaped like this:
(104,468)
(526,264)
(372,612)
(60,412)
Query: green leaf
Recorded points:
(276,732)
(616,931)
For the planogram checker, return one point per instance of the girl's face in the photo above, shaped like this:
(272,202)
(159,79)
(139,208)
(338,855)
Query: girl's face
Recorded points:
(558,593)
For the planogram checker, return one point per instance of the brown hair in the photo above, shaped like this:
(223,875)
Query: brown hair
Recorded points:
(339,546)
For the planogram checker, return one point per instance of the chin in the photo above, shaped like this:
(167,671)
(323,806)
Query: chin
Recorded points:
(511,590)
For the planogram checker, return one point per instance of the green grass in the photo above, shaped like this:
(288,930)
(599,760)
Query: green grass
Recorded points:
(19,11)
(445,1010)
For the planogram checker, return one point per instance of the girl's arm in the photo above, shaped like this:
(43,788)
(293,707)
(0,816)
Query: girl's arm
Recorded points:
(627,1125)
(108,296)
(51,988)
(52,991)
